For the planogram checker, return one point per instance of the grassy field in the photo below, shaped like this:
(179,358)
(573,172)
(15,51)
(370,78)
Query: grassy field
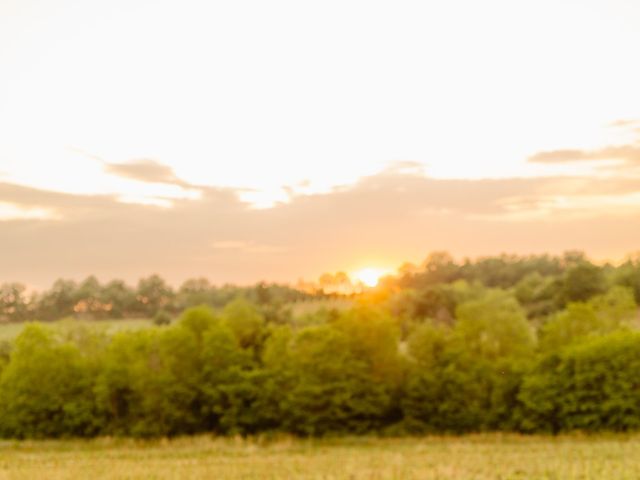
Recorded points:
(9,331)
(311,306)
(476,457)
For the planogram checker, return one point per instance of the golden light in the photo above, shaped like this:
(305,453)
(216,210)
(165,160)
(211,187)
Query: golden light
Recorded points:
(370,276)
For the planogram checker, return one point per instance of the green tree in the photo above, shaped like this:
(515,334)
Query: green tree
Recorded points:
(150,383)
(494,327)
(58,301)
(601,315)
(14,304)
(333,390)
(246,322)
(153,294)
(588,386)
(118,299)
(46,390)
(227,385)
(194,292)
(581,281)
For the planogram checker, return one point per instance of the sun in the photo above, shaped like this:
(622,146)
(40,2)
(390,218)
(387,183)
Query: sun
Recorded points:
(370,276)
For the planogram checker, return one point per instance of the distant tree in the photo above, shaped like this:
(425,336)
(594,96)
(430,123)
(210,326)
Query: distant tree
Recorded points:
(193,292)
(628,275)
(88,299)
(118,299)
(153,294)
(162,317)
(14,304)
(57,302)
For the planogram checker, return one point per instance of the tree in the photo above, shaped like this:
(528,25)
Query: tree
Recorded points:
(118,299)
(193,292)
(602,314)
(58,301)
(14,305)
(246,322)
(494,327)
(88,301)
(581,281)
(46,390)
(150,383)
(227,386)
(588,386)
(332,389)
(153,294)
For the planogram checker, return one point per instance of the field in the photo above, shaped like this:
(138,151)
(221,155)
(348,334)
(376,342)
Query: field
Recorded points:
(475,457)
(9,331)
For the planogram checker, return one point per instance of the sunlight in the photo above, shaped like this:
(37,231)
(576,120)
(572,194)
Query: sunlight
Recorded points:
(370,276)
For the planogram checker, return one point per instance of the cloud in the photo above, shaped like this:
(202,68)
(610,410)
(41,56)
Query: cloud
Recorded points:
(382,219)
(628,155)
(246,246)
(145,170)
(624,123)
(11,211)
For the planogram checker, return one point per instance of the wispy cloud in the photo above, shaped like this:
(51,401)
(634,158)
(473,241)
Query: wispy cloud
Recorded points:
(246,246)
(146,170)
(11,211)
(393,216)
(627,154)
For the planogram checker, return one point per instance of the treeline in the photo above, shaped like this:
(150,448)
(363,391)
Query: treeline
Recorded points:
(554,350)
(152,296)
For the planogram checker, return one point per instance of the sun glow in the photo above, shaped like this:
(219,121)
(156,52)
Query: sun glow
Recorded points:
(370,276)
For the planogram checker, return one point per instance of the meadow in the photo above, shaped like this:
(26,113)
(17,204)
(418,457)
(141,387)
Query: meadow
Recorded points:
(471,457)
(10,330)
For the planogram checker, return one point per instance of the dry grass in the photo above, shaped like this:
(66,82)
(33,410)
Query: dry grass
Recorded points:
(478,457)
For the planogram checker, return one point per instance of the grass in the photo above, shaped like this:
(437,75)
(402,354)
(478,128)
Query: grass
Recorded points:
(307,307)
(9,331)
(475,457)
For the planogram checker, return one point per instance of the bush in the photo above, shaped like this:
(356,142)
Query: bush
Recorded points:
(162,318)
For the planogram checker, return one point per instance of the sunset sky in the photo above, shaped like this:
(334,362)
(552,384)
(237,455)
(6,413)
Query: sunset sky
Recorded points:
(253,140)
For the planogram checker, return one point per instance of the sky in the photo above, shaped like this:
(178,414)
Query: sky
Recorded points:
(251,140)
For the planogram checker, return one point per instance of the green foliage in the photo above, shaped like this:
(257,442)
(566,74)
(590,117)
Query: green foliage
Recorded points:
(466,379)
(581,282)
(162,317)
(536,293)
(46,389)
(198,320)
(590,386)
(14,305)
(602,314)
(153,294)
(224,379)
(149,383)
(494,327)
(451,348)
(332,389)
(245,321)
